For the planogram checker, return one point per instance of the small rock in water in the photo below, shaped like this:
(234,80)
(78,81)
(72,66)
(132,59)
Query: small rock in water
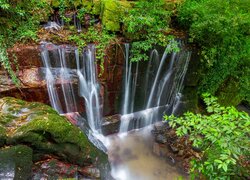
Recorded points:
(156,149)
(160,149)
(161,139)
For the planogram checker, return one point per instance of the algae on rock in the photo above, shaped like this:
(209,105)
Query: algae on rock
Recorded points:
(46,132)
(2,135)
(16,162)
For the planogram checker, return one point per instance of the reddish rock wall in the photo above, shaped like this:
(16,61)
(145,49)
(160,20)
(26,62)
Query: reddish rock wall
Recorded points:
(33,86)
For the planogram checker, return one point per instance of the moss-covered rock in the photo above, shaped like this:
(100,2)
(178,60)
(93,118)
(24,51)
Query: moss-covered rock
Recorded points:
(2,136)
(43,129)
(228,94)
(171,5)
(16,162)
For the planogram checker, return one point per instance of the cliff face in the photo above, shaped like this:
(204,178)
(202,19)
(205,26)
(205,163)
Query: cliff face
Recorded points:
(33,85)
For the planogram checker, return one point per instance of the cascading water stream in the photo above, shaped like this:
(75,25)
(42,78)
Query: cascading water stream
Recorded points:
(166,78)
(163,85)
(127,83)
(67,88)
(50,80)
(152,92)
(85,72)
(77,23)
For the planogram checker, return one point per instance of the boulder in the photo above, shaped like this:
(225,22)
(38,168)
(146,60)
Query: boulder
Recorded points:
(55,169)
(46,132)
(16,162)
(111,124)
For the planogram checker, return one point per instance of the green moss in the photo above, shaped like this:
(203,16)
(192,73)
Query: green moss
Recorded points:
(171,5)
(54,134)
(45,131)
(20,158)
(2,136)
(96,7)
(228,94)
(6,119)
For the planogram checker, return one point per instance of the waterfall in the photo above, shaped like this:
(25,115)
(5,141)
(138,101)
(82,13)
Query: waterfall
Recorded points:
(127,82)
(61,77)
(150,88)
(77,23)
(152,92)
(161,87)
(67,87)
(89,87)
(130,81)
(50,80)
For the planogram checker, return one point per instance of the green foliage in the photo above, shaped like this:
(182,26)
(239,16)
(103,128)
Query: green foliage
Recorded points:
(223,137)
(4,61)
(111,13)
(146,24)
(19,22)
(221,29)
(101,38)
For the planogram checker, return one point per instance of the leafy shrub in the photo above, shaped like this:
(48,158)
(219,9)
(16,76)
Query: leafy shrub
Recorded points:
(19,21)
(222,136)
(147,24)
(101,38)
(221,29)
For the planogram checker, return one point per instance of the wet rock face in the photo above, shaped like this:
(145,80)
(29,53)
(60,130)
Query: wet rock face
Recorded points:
(111,80)
(46,132)
(33,86)
(111,124)
(54,169)
(26,56)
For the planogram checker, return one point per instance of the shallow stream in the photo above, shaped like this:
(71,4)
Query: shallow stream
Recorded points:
(132,158)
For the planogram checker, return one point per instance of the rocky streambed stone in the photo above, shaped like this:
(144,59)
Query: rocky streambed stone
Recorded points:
(168,145)
(46,132)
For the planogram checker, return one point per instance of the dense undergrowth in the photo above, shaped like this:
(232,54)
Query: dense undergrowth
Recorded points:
(221,29)
(144,23)
(19,21)
(222,136)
